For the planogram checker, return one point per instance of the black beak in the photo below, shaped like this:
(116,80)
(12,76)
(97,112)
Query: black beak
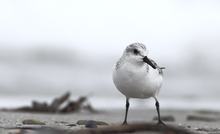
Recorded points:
(147,60)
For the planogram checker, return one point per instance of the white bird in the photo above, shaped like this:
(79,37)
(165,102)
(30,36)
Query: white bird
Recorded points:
(137,76)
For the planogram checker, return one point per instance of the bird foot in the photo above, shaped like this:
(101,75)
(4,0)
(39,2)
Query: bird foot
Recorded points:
(161,123)
(124,123)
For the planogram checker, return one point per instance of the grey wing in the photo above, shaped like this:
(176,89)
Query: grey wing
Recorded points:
(160,69)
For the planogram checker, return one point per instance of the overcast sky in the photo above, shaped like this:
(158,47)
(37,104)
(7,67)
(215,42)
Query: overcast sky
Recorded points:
(167,27)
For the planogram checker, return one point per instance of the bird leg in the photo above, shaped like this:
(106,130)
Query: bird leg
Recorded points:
(160,122)
(126,112)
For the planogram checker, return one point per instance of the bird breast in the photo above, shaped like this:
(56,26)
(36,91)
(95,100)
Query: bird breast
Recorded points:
(137,81)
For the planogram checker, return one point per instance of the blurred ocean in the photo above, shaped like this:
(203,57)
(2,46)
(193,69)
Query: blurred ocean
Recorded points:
(43,73)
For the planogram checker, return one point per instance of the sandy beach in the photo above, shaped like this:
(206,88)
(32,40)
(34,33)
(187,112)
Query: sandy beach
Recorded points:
(202,122)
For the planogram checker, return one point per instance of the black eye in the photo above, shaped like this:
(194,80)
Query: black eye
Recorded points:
(135,51)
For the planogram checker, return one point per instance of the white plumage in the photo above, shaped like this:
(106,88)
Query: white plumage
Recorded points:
(135,81)
(137,76)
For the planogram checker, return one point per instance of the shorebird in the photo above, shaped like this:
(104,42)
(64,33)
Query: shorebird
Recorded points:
(137,76)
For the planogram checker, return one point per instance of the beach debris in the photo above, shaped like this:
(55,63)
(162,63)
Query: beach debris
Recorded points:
(61,104)
(168,118)
(131,128)
(32,122)
(91,123)
(57,102)
(119,129)
(83,122)
(71,125)
(201,118)
(73,105)
(61,122)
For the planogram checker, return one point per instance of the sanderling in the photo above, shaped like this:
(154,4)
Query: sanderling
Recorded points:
(137,76)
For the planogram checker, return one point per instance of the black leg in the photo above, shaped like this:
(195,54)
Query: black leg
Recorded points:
(126,112)
(157,104)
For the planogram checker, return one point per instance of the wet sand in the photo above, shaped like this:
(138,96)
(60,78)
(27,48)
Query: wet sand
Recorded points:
(198,121)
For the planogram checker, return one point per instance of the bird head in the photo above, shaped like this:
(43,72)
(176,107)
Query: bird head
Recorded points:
(137,53)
